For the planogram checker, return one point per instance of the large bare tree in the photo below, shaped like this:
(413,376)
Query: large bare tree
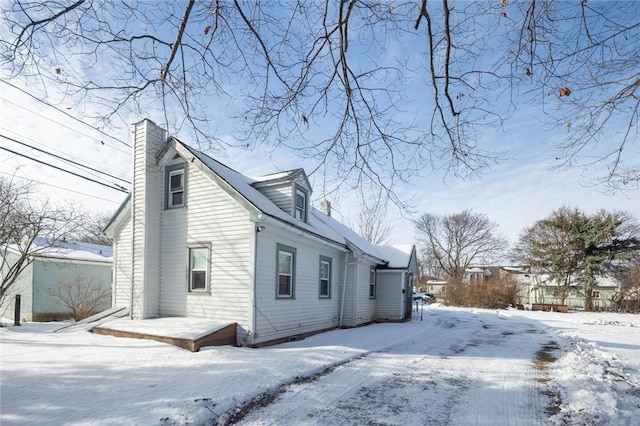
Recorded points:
(372,221)
(28,226)
(392,85)
(453,242)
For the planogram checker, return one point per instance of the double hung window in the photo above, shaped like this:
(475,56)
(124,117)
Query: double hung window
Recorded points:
(175,186)
(286,269)
(372,283)
(325,277)
(198,269)
(300,208)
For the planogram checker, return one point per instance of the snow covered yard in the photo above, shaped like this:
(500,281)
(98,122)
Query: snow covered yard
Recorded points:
(457,366)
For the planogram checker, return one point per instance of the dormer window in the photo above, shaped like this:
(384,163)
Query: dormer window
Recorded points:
(300,204)
(175,184)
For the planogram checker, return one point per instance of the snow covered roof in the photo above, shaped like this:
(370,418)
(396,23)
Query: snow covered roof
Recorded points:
(72,250)
(276,177)
(317,223)
(398,255)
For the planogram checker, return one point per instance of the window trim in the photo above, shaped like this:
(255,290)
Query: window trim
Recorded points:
(329,261)
(169,171)
(305,211)
(292,251)
(207,270)
(372,282)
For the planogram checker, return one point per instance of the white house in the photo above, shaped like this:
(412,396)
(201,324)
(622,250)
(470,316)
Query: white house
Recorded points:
(198,239)
(534,289)
(65,263)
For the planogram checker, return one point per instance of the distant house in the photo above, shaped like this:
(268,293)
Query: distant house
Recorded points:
(64,262)
(197,239)
(436,287)
(541,289)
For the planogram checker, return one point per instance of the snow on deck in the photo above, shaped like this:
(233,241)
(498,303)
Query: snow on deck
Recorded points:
(173,327)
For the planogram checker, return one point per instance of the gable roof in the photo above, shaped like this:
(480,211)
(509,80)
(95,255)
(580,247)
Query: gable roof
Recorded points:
(398,255)
(276,178)
(318,223)
(243,189)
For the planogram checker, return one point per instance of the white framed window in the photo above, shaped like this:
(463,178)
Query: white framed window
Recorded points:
(176,188)
(325,277)
(285,271)
(372,283)
(595,294)
(199,269)
(300,204)
(175,183)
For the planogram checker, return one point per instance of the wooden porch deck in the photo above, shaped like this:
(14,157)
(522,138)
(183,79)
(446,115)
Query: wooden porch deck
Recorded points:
(188,333)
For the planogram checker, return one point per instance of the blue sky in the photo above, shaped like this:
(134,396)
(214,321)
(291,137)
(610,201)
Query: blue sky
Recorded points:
(521,189)
(514,194)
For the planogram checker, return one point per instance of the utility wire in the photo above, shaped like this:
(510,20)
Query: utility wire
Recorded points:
(64,125)
(59,187)
(65,113)
(62,158)
(52,148)
(115,186)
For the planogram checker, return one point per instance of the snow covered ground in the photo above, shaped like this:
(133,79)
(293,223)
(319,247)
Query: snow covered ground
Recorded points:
(455,367)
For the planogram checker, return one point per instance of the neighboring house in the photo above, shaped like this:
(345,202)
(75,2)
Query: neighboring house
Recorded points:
(540,289)
(436,287)
(198,239)
(50,267)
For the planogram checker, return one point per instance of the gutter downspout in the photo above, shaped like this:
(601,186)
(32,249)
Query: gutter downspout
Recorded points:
(356,281)
(255,280)
(344,288)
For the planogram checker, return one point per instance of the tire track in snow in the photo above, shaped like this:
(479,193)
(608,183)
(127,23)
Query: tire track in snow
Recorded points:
(483,373)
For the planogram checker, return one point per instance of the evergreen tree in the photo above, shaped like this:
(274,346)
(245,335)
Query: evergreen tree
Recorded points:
(574,249)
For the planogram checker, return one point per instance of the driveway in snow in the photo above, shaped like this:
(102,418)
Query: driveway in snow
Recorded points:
(462,369)
(454,367)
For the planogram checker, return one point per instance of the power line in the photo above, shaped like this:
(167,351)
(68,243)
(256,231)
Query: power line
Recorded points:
(64,125)
(115,186)
(60,187)
(63,159)
(65,113)
(52,148)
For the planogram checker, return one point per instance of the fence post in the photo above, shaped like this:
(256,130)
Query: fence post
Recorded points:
(16,313)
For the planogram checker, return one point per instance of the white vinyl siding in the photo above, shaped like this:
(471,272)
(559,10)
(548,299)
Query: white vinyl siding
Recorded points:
(22,286)
(211,217)
(280,194)
(366,306)
(122,266)
(389,303)
(279,318)
(146,203)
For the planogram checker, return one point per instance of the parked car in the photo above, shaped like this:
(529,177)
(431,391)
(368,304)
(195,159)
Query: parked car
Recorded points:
(424,297)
